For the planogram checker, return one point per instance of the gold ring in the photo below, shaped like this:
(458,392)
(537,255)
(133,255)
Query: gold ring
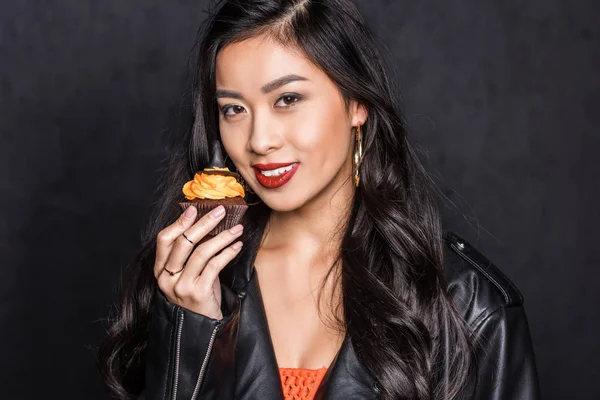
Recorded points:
(188,239)
(173,273)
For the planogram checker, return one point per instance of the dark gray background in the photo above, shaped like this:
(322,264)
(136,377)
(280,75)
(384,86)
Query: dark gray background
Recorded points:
(503,97)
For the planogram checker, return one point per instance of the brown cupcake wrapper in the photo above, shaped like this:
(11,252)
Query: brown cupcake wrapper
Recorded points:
(233,215)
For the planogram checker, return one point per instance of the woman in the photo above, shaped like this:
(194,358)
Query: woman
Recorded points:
(338,284)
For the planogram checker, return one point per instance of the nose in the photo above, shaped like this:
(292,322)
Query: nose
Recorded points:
(264,136)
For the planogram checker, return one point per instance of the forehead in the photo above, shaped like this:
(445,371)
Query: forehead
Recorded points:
(249,64)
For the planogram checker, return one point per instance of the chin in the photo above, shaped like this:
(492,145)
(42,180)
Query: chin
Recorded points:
(281,202)
(281,205)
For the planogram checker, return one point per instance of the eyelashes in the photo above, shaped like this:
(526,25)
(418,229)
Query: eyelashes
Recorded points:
(290,99)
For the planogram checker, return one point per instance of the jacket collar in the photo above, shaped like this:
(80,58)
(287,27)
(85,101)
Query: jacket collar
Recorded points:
(256,367)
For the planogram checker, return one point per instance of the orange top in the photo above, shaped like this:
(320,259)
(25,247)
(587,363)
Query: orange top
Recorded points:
(299,383)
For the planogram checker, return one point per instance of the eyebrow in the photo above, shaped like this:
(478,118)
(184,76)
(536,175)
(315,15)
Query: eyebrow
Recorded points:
(269,87)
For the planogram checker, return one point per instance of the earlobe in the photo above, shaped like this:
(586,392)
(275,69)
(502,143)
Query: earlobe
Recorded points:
(359,113)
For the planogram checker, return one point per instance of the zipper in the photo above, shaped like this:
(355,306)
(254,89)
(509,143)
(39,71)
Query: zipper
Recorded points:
(177,353)
(205,361)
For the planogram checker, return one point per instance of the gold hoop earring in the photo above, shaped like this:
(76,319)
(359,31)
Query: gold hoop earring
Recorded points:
(358,153)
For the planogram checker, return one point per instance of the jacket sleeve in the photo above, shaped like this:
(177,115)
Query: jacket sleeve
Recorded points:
(189,355)
(505,359)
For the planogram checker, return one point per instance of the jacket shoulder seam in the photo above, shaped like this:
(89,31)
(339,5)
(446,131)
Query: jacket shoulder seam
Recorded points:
(510,293)
(483,271)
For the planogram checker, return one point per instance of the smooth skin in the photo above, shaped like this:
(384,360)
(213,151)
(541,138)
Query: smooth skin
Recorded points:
(195,284)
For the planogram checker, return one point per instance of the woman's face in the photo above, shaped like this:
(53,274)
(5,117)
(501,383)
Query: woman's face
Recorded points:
(299,121)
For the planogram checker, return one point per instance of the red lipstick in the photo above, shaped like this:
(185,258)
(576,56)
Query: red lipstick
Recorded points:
(269,166)
(273,182)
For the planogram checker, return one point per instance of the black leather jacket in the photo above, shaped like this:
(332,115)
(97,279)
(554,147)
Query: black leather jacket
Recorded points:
(191,356)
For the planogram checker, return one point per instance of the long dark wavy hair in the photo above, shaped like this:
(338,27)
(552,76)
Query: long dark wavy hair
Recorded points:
(391,276)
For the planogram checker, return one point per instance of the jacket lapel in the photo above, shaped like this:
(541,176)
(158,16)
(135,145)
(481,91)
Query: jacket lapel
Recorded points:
(346,378)
(257,372)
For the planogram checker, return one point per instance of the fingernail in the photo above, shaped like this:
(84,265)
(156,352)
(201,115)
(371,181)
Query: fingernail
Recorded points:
(237,245)
(236,229)
(217,212)
(189,212)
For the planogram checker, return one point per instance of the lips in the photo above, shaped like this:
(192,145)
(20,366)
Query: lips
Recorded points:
(273,182)
(270,166)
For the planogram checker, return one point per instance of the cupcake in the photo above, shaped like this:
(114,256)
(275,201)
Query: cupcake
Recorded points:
(213,187)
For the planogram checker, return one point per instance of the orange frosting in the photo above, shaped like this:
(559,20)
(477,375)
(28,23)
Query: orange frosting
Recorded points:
(212,186)
(299,383)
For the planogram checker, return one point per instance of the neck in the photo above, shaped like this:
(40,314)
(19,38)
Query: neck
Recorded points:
(313,230)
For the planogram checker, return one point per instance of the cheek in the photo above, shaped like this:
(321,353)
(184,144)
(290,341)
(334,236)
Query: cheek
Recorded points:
(322,135)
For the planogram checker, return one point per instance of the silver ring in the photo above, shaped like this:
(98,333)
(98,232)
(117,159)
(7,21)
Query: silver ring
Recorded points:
(188,239)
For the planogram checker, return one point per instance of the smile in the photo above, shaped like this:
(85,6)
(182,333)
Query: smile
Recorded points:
(275,178)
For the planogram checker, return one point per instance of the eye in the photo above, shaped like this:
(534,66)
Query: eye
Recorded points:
(288,100)
(235,109)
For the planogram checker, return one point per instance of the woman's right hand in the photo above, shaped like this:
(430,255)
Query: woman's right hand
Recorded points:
(194,283)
